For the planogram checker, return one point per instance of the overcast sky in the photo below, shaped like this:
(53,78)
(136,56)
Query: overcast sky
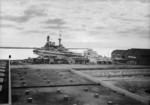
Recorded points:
(84,23)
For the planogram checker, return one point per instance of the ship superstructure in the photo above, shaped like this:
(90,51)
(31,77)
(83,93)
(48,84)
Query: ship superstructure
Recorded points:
(95,58)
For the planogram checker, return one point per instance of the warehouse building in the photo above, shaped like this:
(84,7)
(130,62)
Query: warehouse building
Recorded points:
(118,57)
(131,56)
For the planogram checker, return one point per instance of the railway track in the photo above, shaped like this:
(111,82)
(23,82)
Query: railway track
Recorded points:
(5,83)
(59,85)
(117,73)
(90,75)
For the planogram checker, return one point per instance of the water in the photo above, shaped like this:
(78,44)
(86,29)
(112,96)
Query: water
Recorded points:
(26,53)
(16,53)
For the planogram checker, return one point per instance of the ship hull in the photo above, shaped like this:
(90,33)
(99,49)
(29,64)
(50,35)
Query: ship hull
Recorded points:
(54,53)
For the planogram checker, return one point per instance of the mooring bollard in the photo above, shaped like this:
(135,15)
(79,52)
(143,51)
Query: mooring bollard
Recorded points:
(96,95)
(20,75)
(122,94)
(66,97)
(29,100)
(23,82)
(86,89)
(44,78)
(71,80)
(25,72)
(27,92)
(24,85)
(22,78)
(58,91)
(48,81)
(114,91)
(109,103)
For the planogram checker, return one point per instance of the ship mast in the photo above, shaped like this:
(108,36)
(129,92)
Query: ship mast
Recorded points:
(48,38)
(60,38)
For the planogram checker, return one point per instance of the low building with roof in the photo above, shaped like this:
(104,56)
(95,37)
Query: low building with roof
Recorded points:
(131,56)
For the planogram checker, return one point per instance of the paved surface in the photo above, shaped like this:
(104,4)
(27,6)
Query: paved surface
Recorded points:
(39,81)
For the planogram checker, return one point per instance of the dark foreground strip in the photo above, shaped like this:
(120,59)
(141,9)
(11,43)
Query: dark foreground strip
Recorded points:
(66,85)
(5,83)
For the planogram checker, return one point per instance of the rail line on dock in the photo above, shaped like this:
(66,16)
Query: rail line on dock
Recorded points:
(144,100)
(61,85)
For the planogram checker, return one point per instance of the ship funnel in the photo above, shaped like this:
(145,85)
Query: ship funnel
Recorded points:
(48,38)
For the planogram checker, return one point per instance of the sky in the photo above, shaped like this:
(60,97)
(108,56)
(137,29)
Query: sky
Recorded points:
(103,25)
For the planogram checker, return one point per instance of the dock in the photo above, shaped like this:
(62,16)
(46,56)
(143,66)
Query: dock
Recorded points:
(62,85)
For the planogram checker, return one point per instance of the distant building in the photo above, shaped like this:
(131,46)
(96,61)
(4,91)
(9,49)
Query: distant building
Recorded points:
(131,56)
(118,56)
(95,58)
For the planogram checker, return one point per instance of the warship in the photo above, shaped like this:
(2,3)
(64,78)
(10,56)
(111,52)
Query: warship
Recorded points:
(52,50)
